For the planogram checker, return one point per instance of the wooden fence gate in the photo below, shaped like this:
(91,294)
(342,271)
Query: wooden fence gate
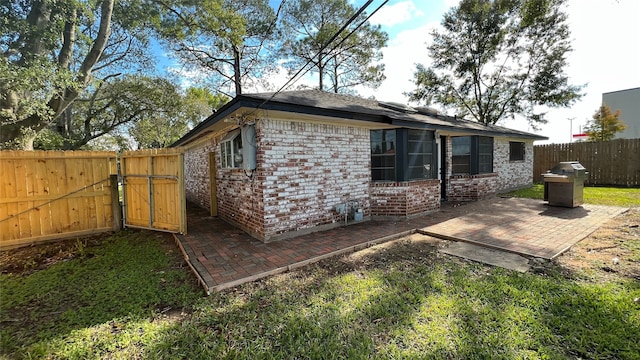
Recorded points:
(153,189)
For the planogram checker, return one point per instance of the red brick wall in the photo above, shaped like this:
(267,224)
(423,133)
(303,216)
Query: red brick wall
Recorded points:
(307,169)
(404,199)
(240,200)
(472,187)
(196,169)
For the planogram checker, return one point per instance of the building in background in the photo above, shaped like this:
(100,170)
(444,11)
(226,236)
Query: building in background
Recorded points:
(628,102)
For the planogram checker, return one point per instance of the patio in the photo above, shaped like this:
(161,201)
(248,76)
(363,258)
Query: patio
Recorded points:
(223,256)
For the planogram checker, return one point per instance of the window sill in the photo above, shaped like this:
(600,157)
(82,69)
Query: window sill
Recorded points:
(403,183)
(477,176)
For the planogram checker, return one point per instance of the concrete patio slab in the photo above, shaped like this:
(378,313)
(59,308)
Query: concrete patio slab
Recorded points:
(488,256)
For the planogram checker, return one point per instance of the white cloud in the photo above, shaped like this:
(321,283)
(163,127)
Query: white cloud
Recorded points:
(396,14)
(451,3)
(407,49)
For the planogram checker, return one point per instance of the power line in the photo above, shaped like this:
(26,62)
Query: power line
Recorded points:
(303,70)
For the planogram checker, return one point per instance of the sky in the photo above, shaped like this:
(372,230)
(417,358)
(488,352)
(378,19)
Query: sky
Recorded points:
(606,55)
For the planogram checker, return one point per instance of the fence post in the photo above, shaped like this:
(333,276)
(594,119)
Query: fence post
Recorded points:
(116,209)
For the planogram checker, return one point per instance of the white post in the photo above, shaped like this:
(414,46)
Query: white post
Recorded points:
(571,129)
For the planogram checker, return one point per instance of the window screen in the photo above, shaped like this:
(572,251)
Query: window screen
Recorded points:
(471,155)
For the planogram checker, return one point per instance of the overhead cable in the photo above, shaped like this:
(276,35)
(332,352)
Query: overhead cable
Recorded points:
(303,70)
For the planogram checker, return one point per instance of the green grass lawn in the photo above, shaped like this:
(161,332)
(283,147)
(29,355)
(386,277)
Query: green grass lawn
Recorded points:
(628,197)
(131,296)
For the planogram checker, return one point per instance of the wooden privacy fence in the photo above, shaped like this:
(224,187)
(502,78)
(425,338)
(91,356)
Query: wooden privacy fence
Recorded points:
(615,162)
(153,184)
(46,195)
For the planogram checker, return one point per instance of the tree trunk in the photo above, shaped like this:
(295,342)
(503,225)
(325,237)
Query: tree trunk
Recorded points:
(14,136)
(237,76)
(39,17)
(22,133)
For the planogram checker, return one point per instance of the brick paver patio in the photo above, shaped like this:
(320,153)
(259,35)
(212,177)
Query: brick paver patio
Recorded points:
(223,256)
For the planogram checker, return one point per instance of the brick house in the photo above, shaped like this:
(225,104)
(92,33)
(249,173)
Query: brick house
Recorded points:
(300,161)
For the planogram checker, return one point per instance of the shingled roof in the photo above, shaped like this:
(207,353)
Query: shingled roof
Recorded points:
(316,102)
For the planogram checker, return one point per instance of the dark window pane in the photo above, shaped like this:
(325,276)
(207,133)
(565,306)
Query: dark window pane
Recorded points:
(383,174)
(418,147)
(416,173)
(383,159)
(420,160)
(516,151)
(378,161)
(461,145)
(485,154)
(376,141)
(388,141)
(237,151)
(460,169)
(383,141)
(419,135)
(461,164)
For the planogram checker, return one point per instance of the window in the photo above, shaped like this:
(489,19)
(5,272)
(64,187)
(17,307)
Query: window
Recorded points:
(461,154)
(516,151)
(383,155)
(402,155)
(420,157)
(231,150)
(471,155)
(485,155)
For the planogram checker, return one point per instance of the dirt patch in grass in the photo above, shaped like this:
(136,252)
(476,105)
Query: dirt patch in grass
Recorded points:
(611,251)
(26,260)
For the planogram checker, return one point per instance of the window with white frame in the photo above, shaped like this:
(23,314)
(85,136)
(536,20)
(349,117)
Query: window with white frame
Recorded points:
(231,150)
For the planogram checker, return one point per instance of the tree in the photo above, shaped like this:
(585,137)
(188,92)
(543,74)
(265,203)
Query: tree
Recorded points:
(231,40)
(201,102)
(350,60)
(604,124)
(51,52)
(108,105)
(495,59)
(38,84)
(161,129)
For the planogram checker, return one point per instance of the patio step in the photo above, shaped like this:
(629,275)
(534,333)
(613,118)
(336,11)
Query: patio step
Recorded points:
(488,256)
